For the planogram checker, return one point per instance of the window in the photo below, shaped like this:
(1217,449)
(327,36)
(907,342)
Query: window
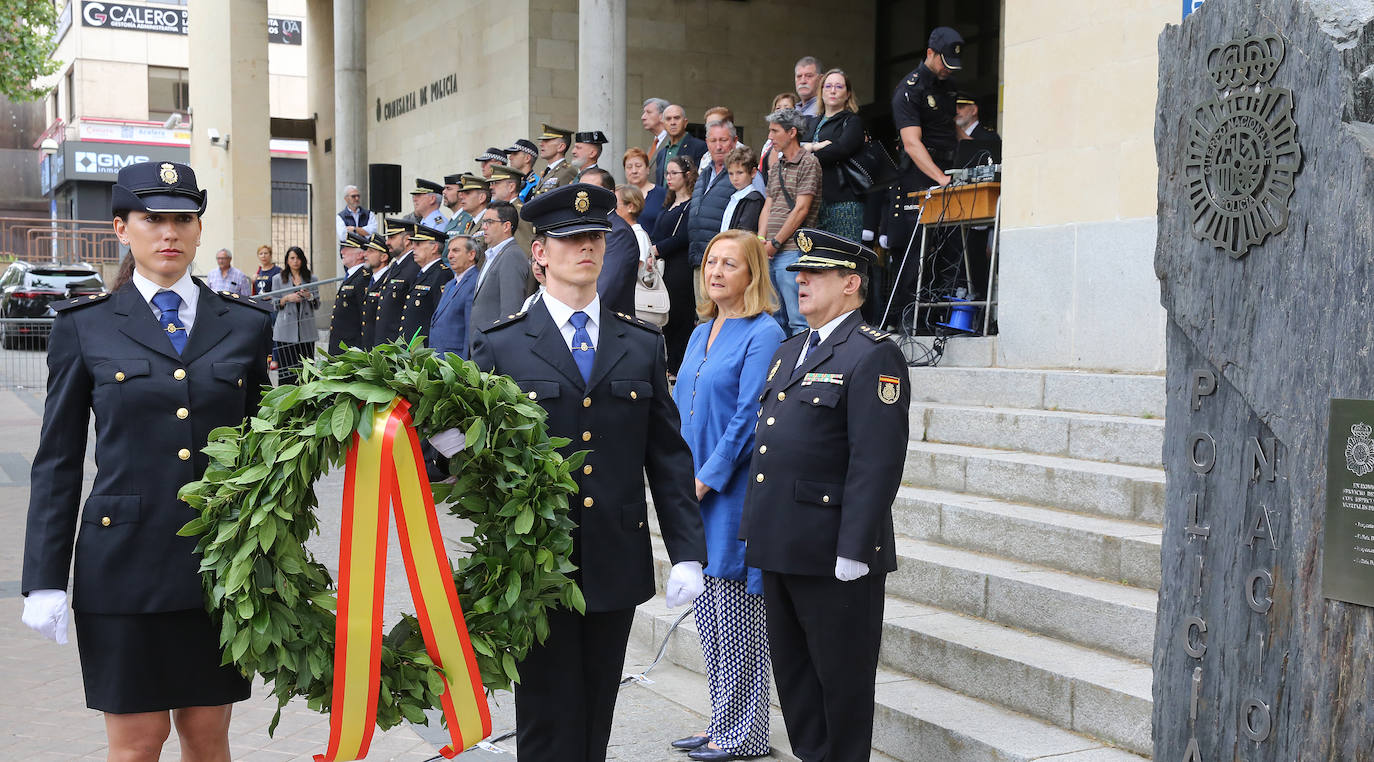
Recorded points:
(169,90)
(71,95)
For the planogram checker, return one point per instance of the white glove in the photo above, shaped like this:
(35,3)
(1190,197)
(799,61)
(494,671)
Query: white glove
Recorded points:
(867,236)
(46,612)
(848,570)
(449,442)
(685,583)
(882,240)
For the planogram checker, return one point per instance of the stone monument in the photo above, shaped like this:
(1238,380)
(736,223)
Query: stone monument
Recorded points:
(1265,139)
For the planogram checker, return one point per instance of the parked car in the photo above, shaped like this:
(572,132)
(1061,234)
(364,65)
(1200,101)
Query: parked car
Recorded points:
(27,291)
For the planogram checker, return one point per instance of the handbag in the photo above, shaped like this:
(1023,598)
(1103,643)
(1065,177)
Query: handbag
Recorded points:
(869,169)
(651,296)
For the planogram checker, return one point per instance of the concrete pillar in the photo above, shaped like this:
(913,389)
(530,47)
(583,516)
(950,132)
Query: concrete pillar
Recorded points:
(350,96)
(326,195)
(601,75)
(228,69)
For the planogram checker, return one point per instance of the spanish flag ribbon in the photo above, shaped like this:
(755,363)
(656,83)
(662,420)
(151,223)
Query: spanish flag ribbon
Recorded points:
(386,467)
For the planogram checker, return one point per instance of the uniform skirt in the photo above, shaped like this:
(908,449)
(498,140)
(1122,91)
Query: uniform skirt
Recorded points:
(154,662)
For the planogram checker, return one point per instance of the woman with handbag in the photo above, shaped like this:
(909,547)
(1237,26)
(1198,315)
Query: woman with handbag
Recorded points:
(670,245)
(837,136)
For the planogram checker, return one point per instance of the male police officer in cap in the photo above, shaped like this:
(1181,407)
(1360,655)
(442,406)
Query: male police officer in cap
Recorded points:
(425,198)
(392,291)
(829,448)
(428,284)
(586,151)
(378,258)
(490,158)
(521,156)
(346,322)
(458,219)
(602,378)
(553,145)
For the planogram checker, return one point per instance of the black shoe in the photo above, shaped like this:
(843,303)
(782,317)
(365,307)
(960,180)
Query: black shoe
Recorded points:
(707,754)
(691,742)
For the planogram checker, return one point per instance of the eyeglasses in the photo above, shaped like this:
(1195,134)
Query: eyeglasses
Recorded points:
(672,172)
(485,222)
(834,87)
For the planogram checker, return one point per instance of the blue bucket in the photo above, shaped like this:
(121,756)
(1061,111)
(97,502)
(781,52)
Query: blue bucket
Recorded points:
(961,317)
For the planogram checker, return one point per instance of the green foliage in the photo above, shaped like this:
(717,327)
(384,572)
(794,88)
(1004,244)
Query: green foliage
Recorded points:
(257,506)
(26,47)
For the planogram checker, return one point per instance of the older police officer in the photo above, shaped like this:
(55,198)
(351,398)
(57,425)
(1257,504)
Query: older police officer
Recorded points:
(161,362)
(601,377)
(828,454)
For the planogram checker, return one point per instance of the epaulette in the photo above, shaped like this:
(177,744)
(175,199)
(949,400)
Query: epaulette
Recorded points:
(632,320)
(873,333)
(234,297)
(507,320)
(79,301)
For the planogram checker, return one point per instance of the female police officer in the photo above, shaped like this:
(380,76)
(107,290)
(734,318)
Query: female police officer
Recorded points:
(161,361)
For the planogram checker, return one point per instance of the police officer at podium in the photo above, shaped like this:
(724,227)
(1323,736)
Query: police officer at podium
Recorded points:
(601,377)
(828,455)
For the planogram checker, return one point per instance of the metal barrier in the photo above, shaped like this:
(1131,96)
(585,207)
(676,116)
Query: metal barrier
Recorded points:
(39,239)
(24,353)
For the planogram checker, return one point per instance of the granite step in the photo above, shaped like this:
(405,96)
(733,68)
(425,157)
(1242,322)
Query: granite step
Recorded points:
(1088,436)
(1133,493)
(1125,394)
(1109,549)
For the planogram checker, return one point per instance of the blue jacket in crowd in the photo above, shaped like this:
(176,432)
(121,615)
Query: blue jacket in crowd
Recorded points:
(448,329)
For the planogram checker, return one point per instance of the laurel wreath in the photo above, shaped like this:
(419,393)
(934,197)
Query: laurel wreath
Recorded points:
(256,502)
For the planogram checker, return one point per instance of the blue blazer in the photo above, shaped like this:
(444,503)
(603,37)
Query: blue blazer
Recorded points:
(448,328)
(717,395)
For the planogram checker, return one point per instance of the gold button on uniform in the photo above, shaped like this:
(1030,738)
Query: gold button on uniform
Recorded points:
(763,449)
(825,498)
(586,436)
(782,396)
(588,503)
(184,454)
(815,400)
(587,470)
(105,521)
(770,420)
(119,376)
(641,525)
(758,478)
(634,395)
(586,402)
(240,383)
(533,395)
(182,412)
(179,374)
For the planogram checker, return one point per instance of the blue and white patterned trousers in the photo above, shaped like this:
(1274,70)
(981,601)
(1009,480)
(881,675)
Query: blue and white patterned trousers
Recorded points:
(734,644)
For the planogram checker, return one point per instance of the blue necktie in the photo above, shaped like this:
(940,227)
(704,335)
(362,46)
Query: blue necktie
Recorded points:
(168,303)
(811,342)
(584,354)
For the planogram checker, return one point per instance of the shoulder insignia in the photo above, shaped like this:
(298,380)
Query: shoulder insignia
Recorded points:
(79,301)
(873,333)
(632,320)
(252,301)
(499,322)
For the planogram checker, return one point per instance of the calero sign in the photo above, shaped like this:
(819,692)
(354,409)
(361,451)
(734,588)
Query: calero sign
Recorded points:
(139,18)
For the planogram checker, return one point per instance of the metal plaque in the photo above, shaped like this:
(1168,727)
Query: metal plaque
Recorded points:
(1242,152)
(1348,561)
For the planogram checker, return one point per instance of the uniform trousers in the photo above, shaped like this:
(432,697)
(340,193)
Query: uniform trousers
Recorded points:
(824,636)
(734,646)
(565,700)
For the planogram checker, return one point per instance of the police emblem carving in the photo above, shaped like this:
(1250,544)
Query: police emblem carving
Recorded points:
(1242,153)
(1359,450)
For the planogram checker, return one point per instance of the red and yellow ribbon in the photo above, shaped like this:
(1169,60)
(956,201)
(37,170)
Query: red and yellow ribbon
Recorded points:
(386,467)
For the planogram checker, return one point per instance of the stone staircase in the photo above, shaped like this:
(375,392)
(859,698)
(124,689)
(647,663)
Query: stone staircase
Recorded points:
(1020,622)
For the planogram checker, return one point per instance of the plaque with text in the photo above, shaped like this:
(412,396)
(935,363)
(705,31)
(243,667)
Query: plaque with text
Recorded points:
(1348,563)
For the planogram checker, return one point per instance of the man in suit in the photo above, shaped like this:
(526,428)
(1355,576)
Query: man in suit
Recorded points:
(391,299)
(651,118)
(428,283)
(616,284)
(679,142)
(506,279)
(831,441)
(602,379)
(346,321)
(377,255)
(554,143)
(449,326)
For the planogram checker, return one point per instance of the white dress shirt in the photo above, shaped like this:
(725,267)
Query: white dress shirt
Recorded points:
(562,317)
(376,276)
(825,332)
(185,288)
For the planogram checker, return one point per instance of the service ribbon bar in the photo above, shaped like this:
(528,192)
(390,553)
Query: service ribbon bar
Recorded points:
(386,467)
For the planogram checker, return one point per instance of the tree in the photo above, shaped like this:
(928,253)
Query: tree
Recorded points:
(26,47)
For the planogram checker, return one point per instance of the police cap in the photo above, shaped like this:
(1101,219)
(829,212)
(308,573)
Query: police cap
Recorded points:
(827,251)
(492,154)
(396,225)
(426,186)
(472,182)
(157,186)
(570,209)
(949,45)
(503,172)
(454,179)
(423,232)
(378,243)
(525,147)
(354,241)
(594,137)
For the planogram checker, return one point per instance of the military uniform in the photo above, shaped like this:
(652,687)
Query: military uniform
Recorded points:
(828,453)
(391,290)
(372,297)
(434,219)
(346,321)
(426,287)
(622,411)
(157,387)
(560,172)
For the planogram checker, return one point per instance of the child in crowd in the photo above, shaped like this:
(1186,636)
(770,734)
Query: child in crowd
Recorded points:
(742,213)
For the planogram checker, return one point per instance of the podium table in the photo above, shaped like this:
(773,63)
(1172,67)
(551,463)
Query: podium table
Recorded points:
(953,206)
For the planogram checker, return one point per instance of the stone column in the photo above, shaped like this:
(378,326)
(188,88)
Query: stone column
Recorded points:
(228,69)
(326,198)
(350,94)
(601,74)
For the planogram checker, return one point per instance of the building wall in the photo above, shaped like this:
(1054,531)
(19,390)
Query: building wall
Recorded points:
(1077,272)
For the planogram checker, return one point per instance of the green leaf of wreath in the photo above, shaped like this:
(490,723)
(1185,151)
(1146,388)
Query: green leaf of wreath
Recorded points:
(274,603)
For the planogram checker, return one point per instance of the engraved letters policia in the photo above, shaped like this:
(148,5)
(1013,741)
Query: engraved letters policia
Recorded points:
(1242,152)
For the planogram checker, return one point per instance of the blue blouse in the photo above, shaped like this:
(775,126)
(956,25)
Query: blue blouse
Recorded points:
(717,398)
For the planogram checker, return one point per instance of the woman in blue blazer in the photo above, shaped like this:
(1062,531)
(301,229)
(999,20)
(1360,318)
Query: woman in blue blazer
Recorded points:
(161,361)
(717,392)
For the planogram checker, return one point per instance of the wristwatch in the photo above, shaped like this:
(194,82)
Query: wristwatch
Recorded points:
(775,243)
